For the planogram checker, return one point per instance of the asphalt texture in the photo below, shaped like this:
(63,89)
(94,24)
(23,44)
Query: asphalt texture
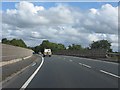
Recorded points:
(20,79)
(67,72)
(10,69)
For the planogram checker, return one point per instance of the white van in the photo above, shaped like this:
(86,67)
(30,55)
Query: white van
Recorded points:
(47,52)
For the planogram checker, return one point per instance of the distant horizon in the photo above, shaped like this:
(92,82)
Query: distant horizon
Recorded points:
(56,43)
(66,22)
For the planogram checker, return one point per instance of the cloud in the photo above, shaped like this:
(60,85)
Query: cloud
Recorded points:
(103,20)
(61,23)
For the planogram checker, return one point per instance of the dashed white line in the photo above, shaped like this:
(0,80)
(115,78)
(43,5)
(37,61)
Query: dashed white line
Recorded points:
(101,71)
(33,64)
(71,60)
(32,76)
(80,63)
(86,65)
(95,60)
(109,73)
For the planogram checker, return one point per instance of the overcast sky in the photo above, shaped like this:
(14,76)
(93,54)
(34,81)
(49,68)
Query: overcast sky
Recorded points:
(66,23)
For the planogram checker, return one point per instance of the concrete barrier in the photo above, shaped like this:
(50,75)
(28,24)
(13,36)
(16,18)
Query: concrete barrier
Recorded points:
(96,53)
(10,52)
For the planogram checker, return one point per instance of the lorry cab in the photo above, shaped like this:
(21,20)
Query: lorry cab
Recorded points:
(47,52)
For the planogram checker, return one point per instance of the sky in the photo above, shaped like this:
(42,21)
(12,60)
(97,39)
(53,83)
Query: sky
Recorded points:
(60,22)
(82,5)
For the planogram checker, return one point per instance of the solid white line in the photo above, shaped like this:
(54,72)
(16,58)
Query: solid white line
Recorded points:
(109,73)
(86,65)
(32,76)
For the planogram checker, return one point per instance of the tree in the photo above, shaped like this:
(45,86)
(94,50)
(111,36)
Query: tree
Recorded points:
(46,44)
(60,47)
(74,47)
(37,49)
(5,41)
(22,43)
(15,42)
(101,44)
(18,42)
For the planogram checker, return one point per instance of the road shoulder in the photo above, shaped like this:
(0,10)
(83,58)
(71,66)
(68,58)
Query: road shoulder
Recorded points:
(14,70)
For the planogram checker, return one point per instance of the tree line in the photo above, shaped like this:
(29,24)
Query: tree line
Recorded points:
(101,44)
(47,44)
(14,42)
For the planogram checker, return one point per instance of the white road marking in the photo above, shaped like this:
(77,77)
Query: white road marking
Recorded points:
(80,63)
(27,57)
(86,65)
(95,60)
(33,64)
(109,73)
(70,60)
(3,63)
(32,76)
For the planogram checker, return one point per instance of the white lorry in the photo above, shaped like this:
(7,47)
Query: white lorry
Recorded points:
(47,52)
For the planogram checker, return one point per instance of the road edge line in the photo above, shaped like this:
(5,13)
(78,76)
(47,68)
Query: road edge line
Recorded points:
(32,76)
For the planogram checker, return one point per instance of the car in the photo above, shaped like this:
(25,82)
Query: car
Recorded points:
(47,52)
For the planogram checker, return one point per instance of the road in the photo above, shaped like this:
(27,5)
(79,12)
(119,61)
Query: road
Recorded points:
(12,66)
(67,72)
